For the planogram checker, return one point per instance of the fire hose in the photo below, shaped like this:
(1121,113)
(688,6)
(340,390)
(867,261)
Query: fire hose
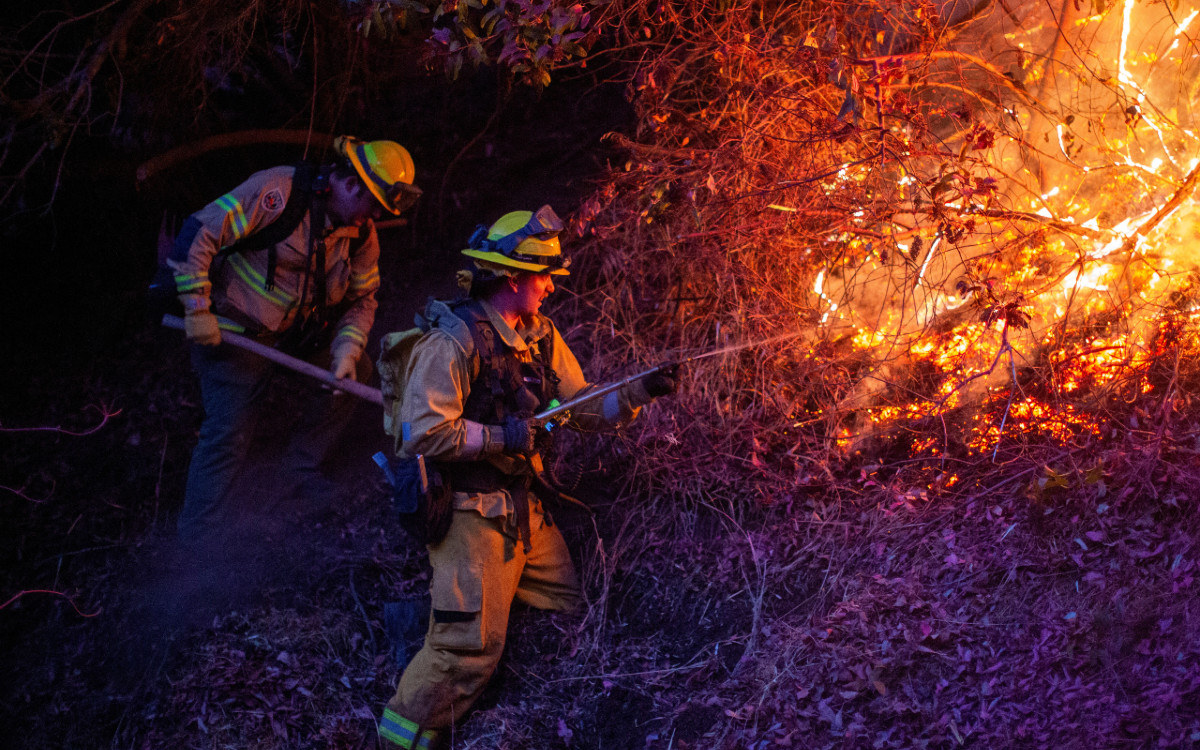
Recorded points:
(559,413)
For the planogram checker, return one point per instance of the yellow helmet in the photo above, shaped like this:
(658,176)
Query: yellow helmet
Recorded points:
(385,167)
(521,240)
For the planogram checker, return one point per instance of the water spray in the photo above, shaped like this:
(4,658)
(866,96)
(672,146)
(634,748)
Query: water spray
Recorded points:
(555,412)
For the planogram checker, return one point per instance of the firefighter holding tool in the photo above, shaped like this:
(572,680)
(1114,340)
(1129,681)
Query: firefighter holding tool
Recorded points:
(290,259)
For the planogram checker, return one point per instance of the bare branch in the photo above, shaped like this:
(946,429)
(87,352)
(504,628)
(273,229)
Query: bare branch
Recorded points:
(105,414)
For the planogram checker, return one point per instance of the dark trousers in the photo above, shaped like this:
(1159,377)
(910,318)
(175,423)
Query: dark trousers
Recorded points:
(233,387)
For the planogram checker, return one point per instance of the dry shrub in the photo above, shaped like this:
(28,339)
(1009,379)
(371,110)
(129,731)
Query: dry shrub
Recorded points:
(922,486)
(834,187)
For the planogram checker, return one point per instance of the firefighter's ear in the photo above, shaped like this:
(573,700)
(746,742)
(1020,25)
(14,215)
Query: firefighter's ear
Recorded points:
(351,185)
(464,278)
(347,185)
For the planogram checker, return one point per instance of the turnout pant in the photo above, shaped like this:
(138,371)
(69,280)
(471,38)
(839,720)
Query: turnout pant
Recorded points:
(233,386)
(478,570)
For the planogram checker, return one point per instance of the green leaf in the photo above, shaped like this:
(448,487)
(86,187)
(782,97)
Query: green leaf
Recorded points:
(1054,479)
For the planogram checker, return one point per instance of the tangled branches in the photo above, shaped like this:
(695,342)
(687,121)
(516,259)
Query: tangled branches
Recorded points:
(142,75)
(874,185)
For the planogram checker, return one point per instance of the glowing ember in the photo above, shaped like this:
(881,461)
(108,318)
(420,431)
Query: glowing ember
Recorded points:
(1048,269)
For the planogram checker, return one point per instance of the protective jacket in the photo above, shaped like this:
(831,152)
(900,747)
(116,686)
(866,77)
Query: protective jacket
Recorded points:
(235,286)
(455,400)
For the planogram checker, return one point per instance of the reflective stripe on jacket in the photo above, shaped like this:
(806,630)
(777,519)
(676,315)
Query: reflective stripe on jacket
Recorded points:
(235,285)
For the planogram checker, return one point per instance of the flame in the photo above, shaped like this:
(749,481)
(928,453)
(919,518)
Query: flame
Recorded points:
(1097,365)
(1092,279)
(1096,289)
(1030,418)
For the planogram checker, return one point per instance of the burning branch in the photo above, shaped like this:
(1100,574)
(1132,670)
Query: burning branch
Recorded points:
(1181,194)
(1046,221)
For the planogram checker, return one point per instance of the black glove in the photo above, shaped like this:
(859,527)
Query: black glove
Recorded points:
(662,382)
(519,435)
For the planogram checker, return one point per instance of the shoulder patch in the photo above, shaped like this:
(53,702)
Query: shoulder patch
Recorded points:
(272,200)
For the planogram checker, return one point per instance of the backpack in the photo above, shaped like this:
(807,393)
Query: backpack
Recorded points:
(162,297)
(420,495)
(396,350)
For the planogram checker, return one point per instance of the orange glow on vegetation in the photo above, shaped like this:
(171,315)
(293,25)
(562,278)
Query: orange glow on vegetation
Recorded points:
(1031,418)
(1034,322)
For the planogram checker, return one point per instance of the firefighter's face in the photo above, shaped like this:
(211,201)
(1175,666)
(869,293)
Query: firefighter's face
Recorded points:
(531,289)
(351,204)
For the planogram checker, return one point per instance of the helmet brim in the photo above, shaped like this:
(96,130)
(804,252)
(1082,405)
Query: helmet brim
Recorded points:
(500,259)
(365,177)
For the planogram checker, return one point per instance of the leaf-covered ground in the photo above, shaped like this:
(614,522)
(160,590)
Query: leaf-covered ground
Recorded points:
(848,616)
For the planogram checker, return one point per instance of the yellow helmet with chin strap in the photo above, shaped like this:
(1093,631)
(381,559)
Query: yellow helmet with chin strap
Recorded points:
(520,241)
(385,167)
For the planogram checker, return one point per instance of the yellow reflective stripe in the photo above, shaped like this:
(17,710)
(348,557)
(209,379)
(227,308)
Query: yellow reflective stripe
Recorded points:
(233,211)
(395,728)
(257,282)
(394,738)
(364,280)
(190,282)
(428,737)
(354,333)
(225,324)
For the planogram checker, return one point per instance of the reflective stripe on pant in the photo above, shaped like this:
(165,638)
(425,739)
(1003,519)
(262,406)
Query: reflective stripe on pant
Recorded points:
(477,572)
(405,734)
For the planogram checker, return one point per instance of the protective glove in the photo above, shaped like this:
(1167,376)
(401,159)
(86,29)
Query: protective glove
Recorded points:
(662,382)
(202,328)
(345,366)
(520,434)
